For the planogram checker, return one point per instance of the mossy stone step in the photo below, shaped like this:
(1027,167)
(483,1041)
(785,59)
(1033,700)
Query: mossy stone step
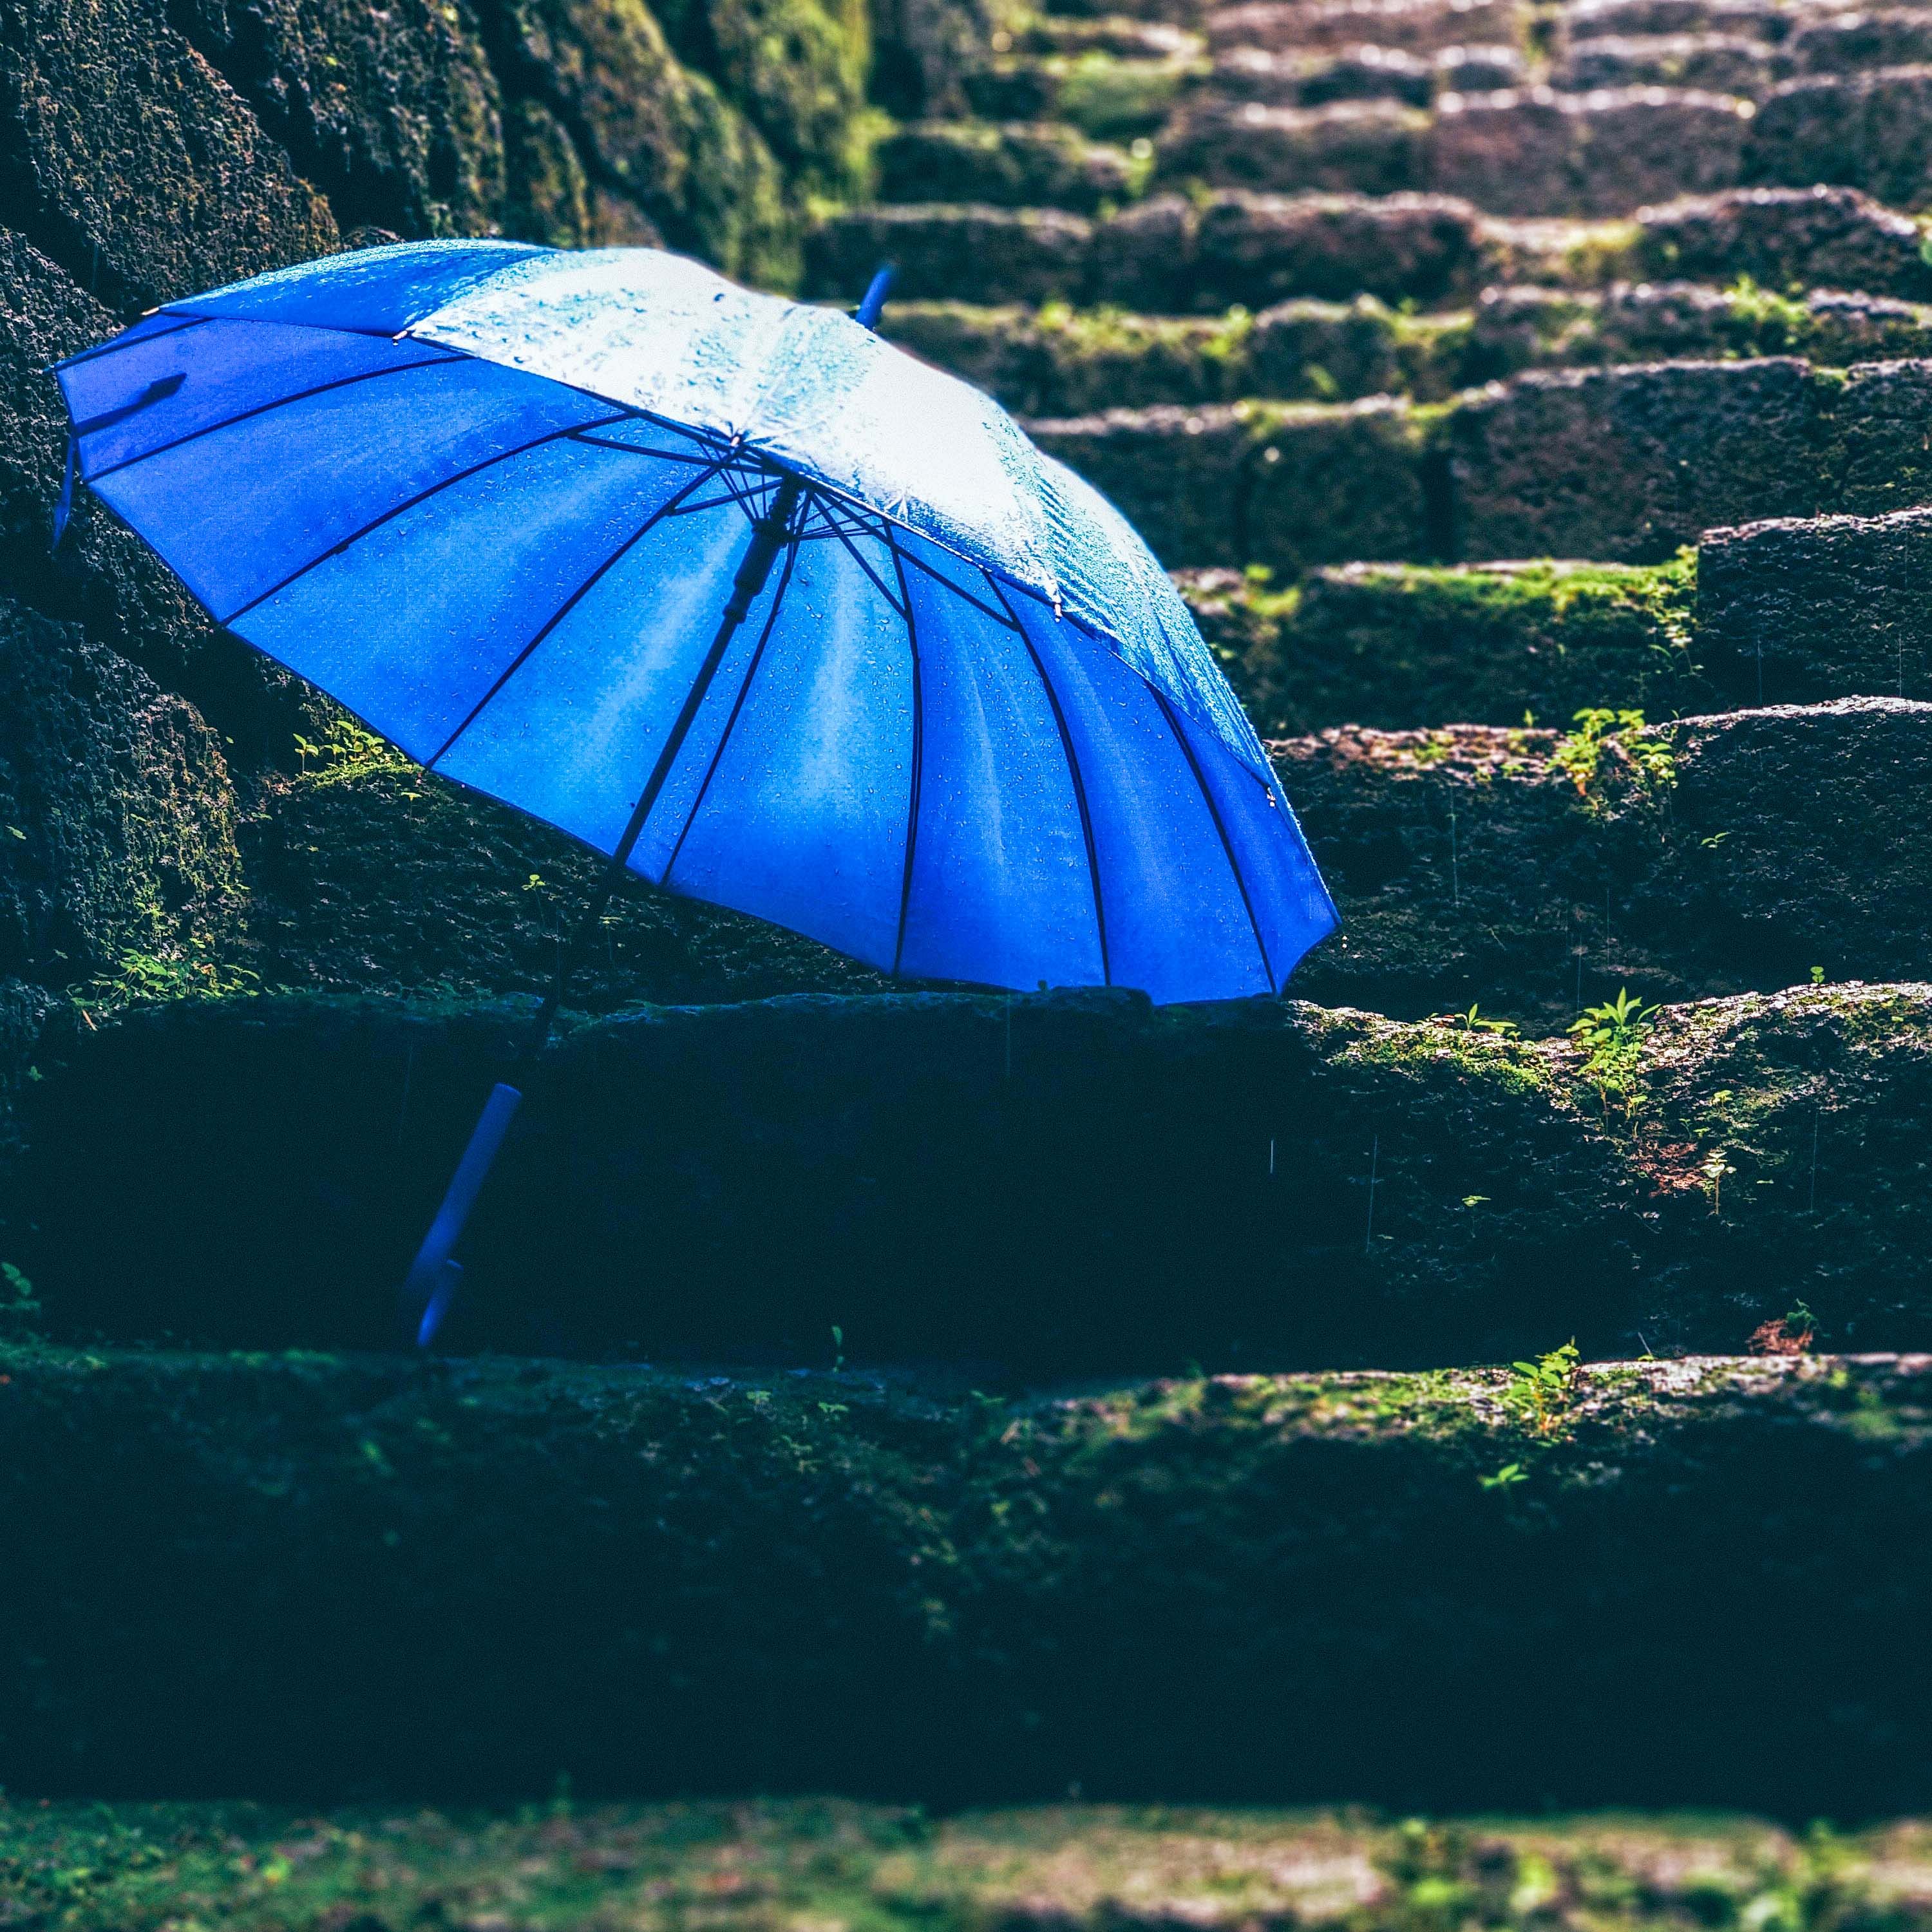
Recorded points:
(1106,98)
(1058,361)
(1010,164)
(1142,1185)
(1179,254)
(1412,26)
(1627,463)
(1534,871)
(468,1577)
(894,1868)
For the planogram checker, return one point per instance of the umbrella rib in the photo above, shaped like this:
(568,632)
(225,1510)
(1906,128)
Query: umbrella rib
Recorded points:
(737,705)
(564,610)
(918,774)
(114,347)
(1072,772)
(1167,711)
(1003,616)
(902,608)
(400,509)
(267,409)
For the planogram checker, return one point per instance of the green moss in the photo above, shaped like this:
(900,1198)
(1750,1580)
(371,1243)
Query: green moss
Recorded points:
(1384,645)
(881,1868)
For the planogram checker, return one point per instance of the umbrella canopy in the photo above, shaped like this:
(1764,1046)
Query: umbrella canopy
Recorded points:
(494,498)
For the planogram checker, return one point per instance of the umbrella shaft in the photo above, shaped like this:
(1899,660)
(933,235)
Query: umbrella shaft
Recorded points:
(768,536)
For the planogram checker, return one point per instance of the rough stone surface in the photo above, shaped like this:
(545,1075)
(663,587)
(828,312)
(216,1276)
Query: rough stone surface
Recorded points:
(649,129)
(1256,249)
(1629,463)
(117,819)
(1368,147)
(1011,165)
(1478,864)
(1847,42)
(1870,130)
(1799,609)
(125,157)
(723,1178)
(965,253)
(1384,644)
(1283,485)
(834,1583)
(1834,238)
(1413,26)
(393,111)
(1541,153)
(1732,64)
(379,878)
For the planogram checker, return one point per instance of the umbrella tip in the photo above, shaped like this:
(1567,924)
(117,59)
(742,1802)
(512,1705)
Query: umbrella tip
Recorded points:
(868,316)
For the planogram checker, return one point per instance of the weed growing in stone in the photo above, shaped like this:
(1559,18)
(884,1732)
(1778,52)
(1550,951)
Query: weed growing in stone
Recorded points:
(1579,755)
(1542,1394)
(154,979)
(1507,1477)
(1473,1022)
(1612,1036)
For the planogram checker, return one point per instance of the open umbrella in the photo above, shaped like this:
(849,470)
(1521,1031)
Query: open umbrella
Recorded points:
(724,587)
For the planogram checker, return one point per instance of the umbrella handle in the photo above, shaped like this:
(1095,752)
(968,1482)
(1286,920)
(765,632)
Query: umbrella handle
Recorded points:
(431,1284)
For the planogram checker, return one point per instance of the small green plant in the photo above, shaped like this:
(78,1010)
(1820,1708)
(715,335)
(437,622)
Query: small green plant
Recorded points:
(347,750)
(1612,1036)
(19,1307)
(1473,1022)
(1714,1170)
(1507,1477)
(1579,754)
(1817,976)
(1542,1394)
(154,978)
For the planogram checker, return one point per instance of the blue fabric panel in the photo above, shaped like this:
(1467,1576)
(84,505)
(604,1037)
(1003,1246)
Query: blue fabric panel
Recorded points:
(379,291)
(572,737)
(412,626)
(1292,906)
(805,820)
(229,369)
(1001,891)
(1176,925)
(236,512)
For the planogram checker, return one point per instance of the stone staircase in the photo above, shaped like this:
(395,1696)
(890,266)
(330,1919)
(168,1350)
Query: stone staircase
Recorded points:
(1382,291)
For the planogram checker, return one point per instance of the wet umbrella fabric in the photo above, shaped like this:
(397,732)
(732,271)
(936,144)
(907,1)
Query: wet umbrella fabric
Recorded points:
(494,498)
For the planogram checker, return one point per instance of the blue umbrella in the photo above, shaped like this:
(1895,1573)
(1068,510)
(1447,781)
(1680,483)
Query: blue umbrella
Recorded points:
(724,587)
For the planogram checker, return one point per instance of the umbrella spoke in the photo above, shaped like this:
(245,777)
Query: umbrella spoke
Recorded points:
(564,610)
(389,515)
(917,777)
(269,408)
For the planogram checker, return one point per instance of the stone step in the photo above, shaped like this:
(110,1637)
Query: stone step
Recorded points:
(1245,75)
(733,1864)
(1798,612)
(1107,98)
(456,1577)
(1731,63)
(1120,37)
(1007,164)
(1850,43)
(1412,26)
(1871,130)
(1058,361)
(726,1178)
(1503,644)
(1203,254)
(1626,463)
(1801,608)
(1349,147)
(1532,871)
